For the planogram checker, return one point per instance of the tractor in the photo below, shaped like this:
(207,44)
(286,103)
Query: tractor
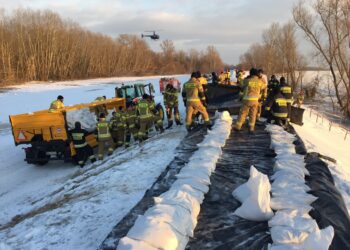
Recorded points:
(135,91)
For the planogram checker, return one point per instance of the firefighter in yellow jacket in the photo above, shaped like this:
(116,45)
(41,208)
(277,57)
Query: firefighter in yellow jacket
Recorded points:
(251,94)
(131,124)
(104,137)
(171,103)
(145,117)
(57,104)
(193,96)
(157,114)
(118,127)
(202,79)
(100,108)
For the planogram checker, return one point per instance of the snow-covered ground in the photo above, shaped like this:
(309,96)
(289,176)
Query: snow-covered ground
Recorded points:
(61,207)
(58,206)
(318,138)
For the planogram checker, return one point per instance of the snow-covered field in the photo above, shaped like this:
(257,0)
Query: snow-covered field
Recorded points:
(57,206)
(332,143)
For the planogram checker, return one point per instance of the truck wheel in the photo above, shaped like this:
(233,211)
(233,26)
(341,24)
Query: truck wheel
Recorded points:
(160,109)
(36,157)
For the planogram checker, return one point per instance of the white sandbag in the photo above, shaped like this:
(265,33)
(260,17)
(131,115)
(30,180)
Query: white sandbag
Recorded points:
(210,142)
(178,217)
(257,206)
(287,176)
(297,168)
(294,219)
(284,247)
(181,198)
(299,196)
(280,203)
(193,173)
(285,184)
(320,239)
(127,243)
(155,233)
(199,167)
(209,165)
(287,235)
(193,182)
(242,192)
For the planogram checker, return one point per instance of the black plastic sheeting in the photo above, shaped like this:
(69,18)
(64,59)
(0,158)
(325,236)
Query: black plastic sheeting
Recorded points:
(184,151)
(220,93)
(329,208)
(223,97)
(217,227)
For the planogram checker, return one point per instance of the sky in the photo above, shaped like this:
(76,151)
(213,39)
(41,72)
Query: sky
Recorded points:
(230,25)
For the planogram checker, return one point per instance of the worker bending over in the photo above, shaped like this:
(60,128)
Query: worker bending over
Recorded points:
(278,107)
(57,104)
(83,150)
(171,103)
(118,127)
(193,96)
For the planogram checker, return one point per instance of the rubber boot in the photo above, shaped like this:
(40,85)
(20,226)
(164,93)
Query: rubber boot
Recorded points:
(178,122)
(170,124)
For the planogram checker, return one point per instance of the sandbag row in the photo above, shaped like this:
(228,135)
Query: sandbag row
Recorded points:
(170,223)
(292,227)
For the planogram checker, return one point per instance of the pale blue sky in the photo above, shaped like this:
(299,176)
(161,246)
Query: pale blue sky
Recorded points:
(230,25)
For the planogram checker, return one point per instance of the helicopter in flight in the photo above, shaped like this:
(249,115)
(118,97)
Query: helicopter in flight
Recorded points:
(153,36)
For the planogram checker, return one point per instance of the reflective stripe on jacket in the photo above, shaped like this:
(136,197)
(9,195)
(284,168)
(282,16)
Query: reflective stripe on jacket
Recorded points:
(252,88)
(103,129)
(192,91)
(278,106)
(143,109)
(78,137)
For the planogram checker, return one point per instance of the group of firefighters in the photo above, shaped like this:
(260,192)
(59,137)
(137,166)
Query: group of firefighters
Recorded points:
(142,114)
(275,96)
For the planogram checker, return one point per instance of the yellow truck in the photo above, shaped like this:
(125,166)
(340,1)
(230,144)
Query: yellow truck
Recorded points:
(47,132)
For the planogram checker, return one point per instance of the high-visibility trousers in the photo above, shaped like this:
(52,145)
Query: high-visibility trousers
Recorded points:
(145,124)
(118,136)
(104,143)
(172,111)
(192,107)
(248,108)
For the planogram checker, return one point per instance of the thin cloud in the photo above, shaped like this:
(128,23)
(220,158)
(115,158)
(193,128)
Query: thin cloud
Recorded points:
(231,26)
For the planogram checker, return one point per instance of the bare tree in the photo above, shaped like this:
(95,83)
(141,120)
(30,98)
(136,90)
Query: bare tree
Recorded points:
(326,25)
(40,45)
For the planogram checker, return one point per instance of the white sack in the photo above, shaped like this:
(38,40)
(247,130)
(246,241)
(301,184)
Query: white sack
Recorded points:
(126,243)
(257,206)
(242,192)
(294,219)
(287,235)
(155,233)
(320,240)
(178,217)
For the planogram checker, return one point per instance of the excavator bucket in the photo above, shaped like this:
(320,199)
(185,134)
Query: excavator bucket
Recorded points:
(296,115)
(223,97)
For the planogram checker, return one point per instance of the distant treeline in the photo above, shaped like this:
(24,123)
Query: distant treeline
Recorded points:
(40,45)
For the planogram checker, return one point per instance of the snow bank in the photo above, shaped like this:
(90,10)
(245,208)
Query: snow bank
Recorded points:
(292,227)
(255,197)
(318,137)
(170,223)
(84,116)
